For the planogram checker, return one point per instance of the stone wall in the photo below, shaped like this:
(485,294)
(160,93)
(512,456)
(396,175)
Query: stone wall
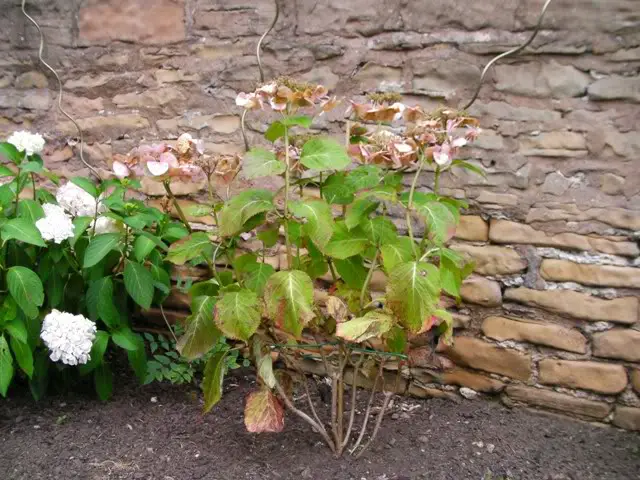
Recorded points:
(550,317)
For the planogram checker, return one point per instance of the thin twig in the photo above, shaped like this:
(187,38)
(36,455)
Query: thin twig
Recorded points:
(354,398)
(367,412)
(175,339)
(385,404)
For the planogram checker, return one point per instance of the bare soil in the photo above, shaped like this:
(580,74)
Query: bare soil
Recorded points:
(157,432)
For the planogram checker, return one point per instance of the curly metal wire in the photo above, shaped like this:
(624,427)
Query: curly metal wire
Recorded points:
(50,68)
(507,53)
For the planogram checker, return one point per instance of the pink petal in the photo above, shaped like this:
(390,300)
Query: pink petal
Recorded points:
(120,170)
(169,158)
(157,169)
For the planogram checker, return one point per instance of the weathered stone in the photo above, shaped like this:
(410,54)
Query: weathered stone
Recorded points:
(89,81)
(551,335)
(490,260)
(635,379)
(554,144)
(481,291)
(111,126)
(31,79)
(578,305)
(620,343)
(507,199)
(380,78)
(175,76)
(443,77)
(419,391)
(465,378)
(322,76)
(141,21)
(475,353)
(549,79)
(616,88)
(33,99)
(627,418)
(472,228)
(597,275)
(155,189)
(504,111)
(558,401)
(598,377)
(148,98)
(504,231)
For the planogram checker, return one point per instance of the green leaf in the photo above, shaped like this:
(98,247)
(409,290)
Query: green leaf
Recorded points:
(24,230)
(55,289)
(450,276)
(260,162)
(470,167)
(23,355)
(263,412)
(6,366)
(413,292)
(100,302)
(275,131)
(40,379)
(213,378)
(142,246)
(446,327)
(352,271)
(337,190)
(87,185)
(198,210)
(138,360)
(190,247)
(324,154)
(98,349)
(394,253)
(269,237)
(346,243)
(319,225)
(440,221)
(103,380)
(358,211)
(30,210)
(125,338)
(31,167)
(139,283)
(241,208)
(373,325)
(397,340)
(289,299)
(265,370)
(300,120)
(237,314)
(208,288)
(26,289)
(6,171)
(380,230)
(80,225)
(99,247)
(17,329)
(10,152)
(200,335)
(257,275)
(364,176)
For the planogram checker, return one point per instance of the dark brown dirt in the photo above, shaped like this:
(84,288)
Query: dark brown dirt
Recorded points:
(134,437)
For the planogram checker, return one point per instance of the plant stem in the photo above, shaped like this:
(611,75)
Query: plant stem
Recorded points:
(365,286)
(183,219)
(17,192)
(175,339)
(367,412)
(385,404)
(33,185)
(436,182)
(332,269)
(410,206)
(287,181)
(354,392)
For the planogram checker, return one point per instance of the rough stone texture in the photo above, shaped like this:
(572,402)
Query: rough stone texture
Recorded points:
(599,377)
(635,379)
(556,336)
(558,401)
(493,260)
(620,343)
(578,305)
(627,418)
(485,356)
(473,229)
(597,275)
(477,382)
(481,291)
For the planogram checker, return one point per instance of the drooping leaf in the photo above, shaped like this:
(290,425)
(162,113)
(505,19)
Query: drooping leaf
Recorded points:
(263,412)
(4,170)
(265,370)
(450,276)
(23,355)
(257,275)
(22,229)
(125,338)
(139,283)
(99,247)
(269,237)
(337,309)
(40,379)
(241,208)
(190,247)
(346,243)
(213,378)
(397,340)
(138,360)
(100,302)
(275,131)
(142,246)
(87,185)
(80,225)
(372,325)
(394,253)
(237,314)
(260,162)
(470,167)
(17,328)
(297,120)
(324,154)
(98,349)
(439,220)
(337,190)
(33,166)
(380,230)
(413,291)
(289,299)
(200,335)
(198,210)
(446,327)
(358,211)
(10,152)
(30,210)
(103,380)
(6,366)
(364,176)
(352,271)
(26,289)
(319,225)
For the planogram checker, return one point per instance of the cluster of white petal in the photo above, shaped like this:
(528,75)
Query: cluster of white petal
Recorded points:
(77,201)
(27,142)
(56,224)
(105,225)
(68,337)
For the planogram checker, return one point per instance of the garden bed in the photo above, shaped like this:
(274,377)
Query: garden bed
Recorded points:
(157,432)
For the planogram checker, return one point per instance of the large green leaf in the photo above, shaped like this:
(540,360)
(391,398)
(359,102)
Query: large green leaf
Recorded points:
(319,225)
(365,176)
(125,338)
(100,302)
(241,208)
(324,154)
(394,253)
(40,379)
(379,230)
(6,366)
(80,225)
(260,162)
(10,152)
(337,190)
(23,355)
(257,275)
(450,276)
(22,229)
(265,370)
(26,289)
(352,271)
(87,185)
(373,325)
(142,246)
(98,349)
(263,412)
(6,171)
(413,291)
(289,299)
(30,210)
(358,211)
(103,380)
(237,314)
(275,131)
(439,220)
(201,334)
(99,247)
(190,247)
(139,283)
(17,328)
(213,378)
(346,243)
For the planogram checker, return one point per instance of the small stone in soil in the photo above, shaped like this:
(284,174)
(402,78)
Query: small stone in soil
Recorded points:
(423,439)
(490,447)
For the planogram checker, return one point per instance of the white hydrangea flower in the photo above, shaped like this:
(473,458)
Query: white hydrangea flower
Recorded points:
(77,201)
(68,337)
(27,142)
(105,225)
(56,224)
